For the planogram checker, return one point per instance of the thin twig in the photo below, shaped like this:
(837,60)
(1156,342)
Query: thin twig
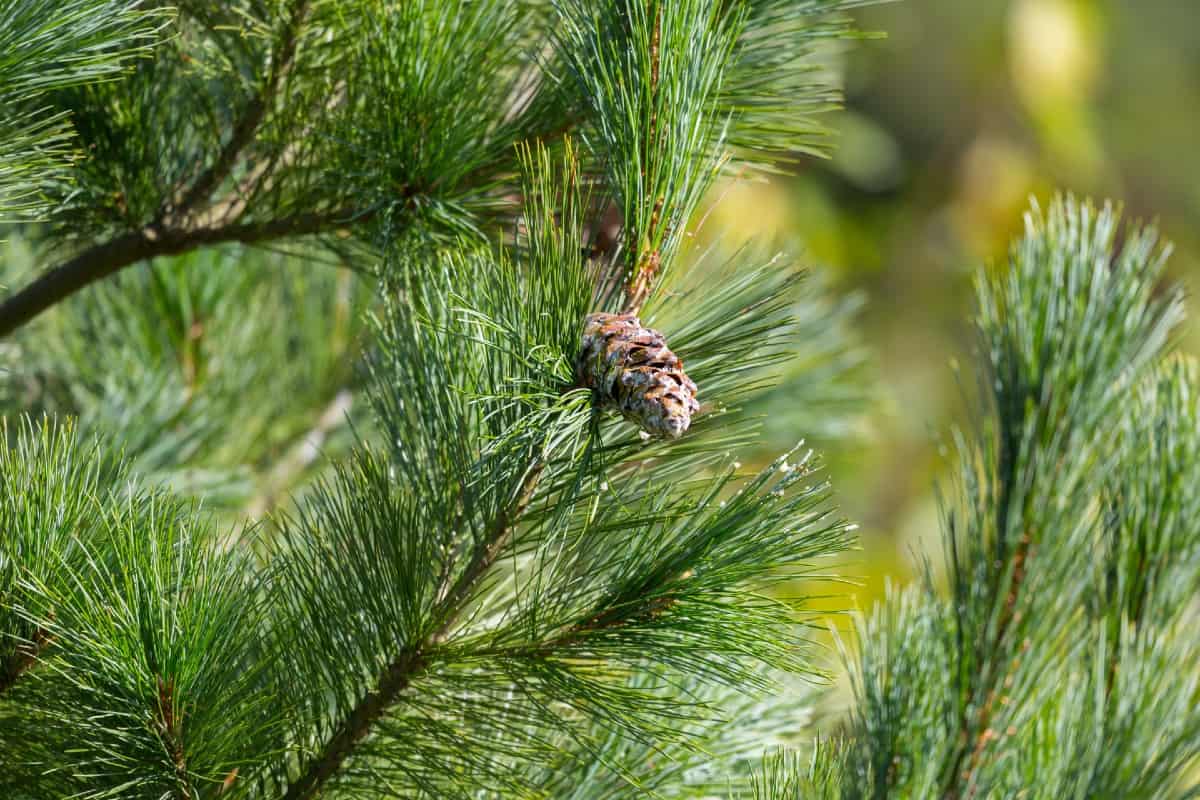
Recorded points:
(168,723)
(301,455)
(486,553)
(246,128)
(23,659)
(983,720)
(646,260)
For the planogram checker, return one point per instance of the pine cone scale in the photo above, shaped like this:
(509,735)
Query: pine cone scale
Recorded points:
(633,371)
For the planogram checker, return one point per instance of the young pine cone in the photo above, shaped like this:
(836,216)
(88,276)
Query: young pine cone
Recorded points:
(633,370)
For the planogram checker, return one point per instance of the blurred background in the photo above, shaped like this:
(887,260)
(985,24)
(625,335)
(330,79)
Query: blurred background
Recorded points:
(953,121)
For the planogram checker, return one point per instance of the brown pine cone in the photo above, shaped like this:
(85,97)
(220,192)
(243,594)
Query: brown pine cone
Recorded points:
(635,372)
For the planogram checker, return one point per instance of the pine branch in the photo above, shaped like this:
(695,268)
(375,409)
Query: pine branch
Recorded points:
(487,551)
(246,128)
(983,720)
(189,220)
(48,485)
(406,666)
(44,49)
(103,260)
(394,680)
(1072,555)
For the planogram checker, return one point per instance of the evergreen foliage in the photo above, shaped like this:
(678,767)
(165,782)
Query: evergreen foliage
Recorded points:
(81,42)
(497,583)
(219,582)
(1060,662)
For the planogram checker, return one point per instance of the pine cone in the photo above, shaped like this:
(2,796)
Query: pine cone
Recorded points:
(634,371)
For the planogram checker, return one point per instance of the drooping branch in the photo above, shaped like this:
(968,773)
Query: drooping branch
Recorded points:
(105,259)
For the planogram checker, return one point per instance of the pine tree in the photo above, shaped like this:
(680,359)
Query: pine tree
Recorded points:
(512,554)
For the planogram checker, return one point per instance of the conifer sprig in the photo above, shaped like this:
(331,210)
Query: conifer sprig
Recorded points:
(1036,673)
(49,487)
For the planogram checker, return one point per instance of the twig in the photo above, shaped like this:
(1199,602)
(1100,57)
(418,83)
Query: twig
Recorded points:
(168,724)
(265,174)
(302,454)
(252,117)
(647,261)
(983,719)
(23,659)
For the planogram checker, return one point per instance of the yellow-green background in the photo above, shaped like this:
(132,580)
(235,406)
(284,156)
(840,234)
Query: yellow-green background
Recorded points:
(963,112)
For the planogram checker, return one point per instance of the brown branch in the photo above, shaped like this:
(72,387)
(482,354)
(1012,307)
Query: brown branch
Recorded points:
(647,260)
(400,673)
(642,281)
(245,129)
(23,659)
(983,720)
(105,259)
(355,727)
(168,723)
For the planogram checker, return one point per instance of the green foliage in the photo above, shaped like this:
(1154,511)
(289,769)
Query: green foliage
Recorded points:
(125,635)
(775,86)
(801,360)
(443,91)
(245,116)
(1059,665)
(716,759)
(148,688)
(49,488)
(495,589)
(83,41)
(495,561)
(159,361)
